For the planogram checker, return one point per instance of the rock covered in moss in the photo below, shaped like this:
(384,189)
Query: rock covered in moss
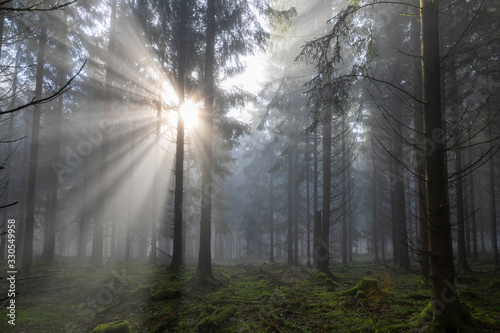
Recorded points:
(113,327)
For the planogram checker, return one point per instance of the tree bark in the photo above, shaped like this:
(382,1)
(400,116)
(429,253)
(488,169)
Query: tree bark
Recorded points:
(290,209)
(204,269)
(308,205)
(324,257)
(102,202)
(375,207)
(444,297)
(493,208)
(344,194)
(27,254)
(271,216)
(475,256)
(177,255)
(52,199)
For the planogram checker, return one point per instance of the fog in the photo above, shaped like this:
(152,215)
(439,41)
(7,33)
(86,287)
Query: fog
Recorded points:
(314,134)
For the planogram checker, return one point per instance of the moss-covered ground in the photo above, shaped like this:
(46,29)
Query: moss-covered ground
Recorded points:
(70,297)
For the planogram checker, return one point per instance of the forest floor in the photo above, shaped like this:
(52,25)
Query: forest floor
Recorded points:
(70,297)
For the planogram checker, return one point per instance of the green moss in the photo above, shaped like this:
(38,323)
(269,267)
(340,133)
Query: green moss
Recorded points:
(427,315)
(216,319)
(368,286)
(419,296)
(322,275)
(468,294)
(495,284)
(332,284)
(114,327)
(360,294)
(165,295)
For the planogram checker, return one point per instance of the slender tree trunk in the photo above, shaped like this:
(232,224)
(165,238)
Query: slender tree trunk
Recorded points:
(317,248)
(481,231)
(130,200)
(475,256)
(493,208)
(52,199)
(27,255)
(374,205)
(2,23)
(400,200)
(444,297)
(290,209)
(205,257)
(154,209)
(324,258)
(462,255)
(316,227)
(271,217)
(308,205)
(396,242)
(423,239)
(179,149)
(296,214)
(85,216)
(102,202)
(344,194)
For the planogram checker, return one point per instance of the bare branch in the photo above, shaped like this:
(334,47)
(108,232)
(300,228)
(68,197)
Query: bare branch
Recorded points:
(56,94)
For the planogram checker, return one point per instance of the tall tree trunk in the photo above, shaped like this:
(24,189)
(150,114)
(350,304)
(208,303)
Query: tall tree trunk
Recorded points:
(154,208)
(27,254)
(308,204)
(179,147)
(473,217)
(316,227)
(324,255)
(374,205)
(204,269)
(462,255)
(423,239)
(102,202)
(296,214)
(271,217)
(290,208)
(396,242)
(444,297)
(344,194)
(493,207)
(2,23)
(130,200)
(400,199)
(52,199)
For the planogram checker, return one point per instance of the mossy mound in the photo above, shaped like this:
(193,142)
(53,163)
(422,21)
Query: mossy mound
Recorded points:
(368,287)
(495,284)
(331,284)
(460,321)
(113,327)
(165,295)
(216,319)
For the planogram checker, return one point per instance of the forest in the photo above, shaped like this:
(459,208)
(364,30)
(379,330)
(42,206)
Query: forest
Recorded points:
(249,166)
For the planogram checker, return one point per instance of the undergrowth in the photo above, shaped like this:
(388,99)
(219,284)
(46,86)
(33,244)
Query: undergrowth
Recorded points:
(243,298)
